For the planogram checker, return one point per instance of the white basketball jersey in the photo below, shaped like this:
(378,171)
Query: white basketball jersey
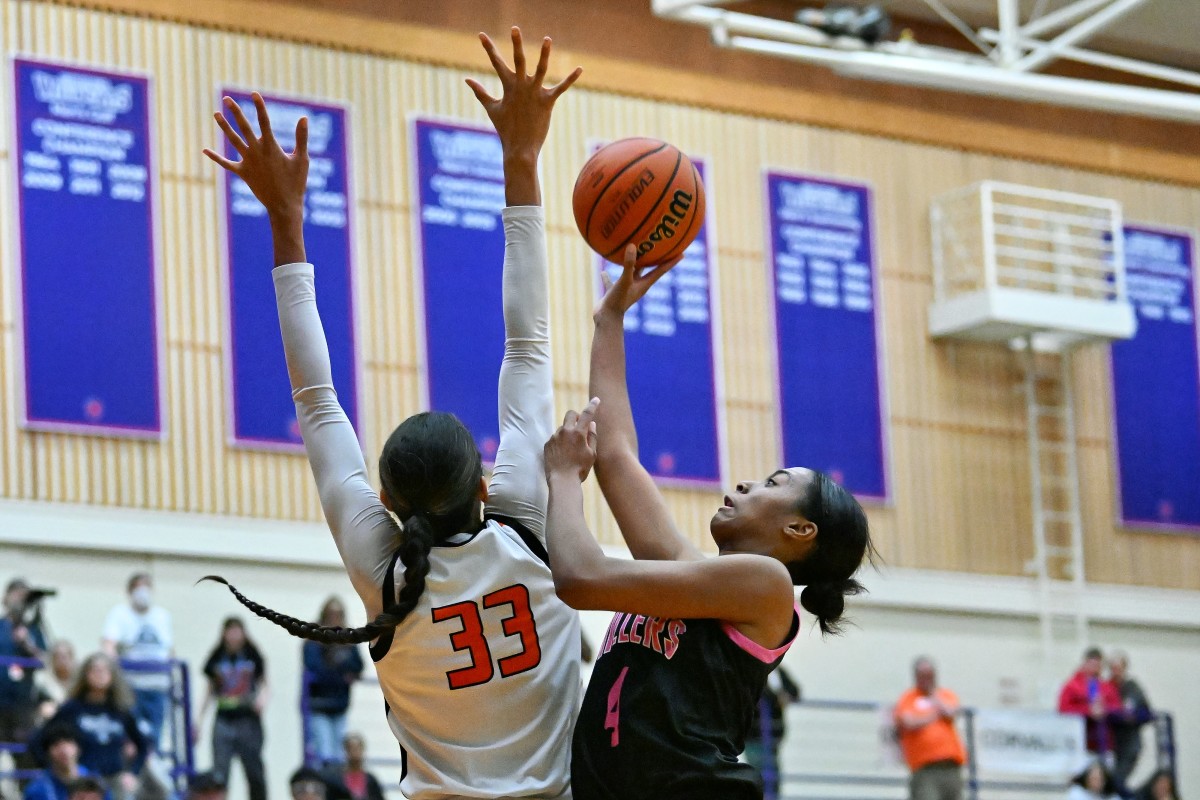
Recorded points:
(482,678)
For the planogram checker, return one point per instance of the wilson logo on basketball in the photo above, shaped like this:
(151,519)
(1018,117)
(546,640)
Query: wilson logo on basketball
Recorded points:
(668,223)
(626,202)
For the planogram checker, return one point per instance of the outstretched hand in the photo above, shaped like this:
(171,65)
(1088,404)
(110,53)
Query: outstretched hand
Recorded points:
(572,448)
(620,296)
(278,179)
(521,115)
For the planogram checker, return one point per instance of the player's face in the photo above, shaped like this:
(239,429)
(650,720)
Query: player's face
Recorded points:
(761,510)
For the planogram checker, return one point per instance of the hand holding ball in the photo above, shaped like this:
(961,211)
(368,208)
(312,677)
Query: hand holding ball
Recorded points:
(642,191)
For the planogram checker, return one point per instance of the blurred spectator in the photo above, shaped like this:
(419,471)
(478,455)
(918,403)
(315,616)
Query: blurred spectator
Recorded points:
(86,788)
(139,633)
(205,786)
(1093,783)
(767,728)
(99,707)
(60,743)
(1160,786)
(1127,722)
(56,682)
(351,779)
(924,718)
(1092,698)
(331,670)
(307,784)
(21,637)
(237,681)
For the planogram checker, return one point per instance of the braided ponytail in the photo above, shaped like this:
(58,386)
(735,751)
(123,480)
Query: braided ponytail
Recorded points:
(311,630)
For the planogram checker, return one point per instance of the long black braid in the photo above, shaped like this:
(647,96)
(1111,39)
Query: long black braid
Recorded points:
(430,465)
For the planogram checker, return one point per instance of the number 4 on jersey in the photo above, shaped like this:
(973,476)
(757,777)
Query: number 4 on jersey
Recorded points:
(613,718)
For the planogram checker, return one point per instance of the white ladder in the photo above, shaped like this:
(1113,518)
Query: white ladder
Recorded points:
(1057,561)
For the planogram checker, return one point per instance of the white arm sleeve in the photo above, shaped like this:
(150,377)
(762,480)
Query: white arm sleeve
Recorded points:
(364,531)
(526,392)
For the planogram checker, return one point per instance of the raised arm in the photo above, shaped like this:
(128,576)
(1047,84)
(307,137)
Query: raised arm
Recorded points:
(365,534)
(521,116)
(639,508)
(751,592)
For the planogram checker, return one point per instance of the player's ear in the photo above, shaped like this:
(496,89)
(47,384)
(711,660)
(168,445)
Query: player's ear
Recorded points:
(387,501)
(482,493)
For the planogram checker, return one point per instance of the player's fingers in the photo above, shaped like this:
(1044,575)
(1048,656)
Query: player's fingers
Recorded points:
(659,271)
(240,117)
(232,166)
(230,133)
(565,83)
(494,56)
(629,263)
(264,120)
(481,94)
(301,150)
(518,53)
(606,280)
(588,416)
(569,419)
(543,64)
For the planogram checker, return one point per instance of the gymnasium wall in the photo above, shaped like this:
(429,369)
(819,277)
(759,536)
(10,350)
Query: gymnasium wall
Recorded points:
(956,425)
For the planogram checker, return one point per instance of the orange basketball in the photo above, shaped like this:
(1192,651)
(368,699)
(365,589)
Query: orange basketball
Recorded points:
(642,191)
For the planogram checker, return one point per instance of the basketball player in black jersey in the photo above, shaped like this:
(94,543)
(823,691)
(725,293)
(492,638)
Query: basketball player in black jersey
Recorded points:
(688,652)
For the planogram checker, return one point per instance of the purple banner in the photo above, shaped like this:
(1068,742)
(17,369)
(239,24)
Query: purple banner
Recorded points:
(459,196)
(263,415)
(824,292)
(85,175)
(1156,385)
(670,345)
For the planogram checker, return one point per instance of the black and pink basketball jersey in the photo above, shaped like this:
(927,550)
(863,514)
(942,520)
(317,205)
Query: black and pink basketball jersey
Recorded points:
(667,711)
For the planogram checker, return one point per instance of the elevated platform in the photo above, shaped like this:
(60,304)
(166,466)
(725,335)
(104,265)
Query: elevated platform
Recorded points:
(1055,321)
(1017,261)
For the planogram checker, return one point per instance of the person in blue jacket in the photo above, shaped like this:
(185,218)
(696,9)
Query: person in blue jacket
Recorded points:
(99,706)
(330,671)
(60,743)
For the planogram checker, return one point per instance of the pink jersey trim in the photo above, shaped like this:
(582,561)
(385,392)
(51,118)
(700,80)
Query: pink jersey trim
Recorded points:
(763,654)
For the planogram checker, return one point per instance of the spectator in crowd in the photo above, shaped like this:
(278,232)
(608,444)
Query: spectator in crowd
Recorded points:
(351,779)
(768,727)
(205,786)
(307,784)
(1126,723)
(99,706)
(1093,783)
(21,637)
(1091,697)
(86,788)
(1160,786)
(237,682)
(56,681)
(139,633)
(924,717)
(60,743)
(331,670)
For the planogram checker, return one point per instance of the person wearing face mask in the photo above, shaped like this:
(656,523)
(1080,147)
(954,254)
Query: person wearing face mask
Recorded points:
(139,634)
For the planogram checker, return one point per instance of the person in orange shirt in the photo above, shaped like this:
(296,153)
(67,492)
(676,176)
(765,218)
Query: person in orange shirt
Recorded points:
(925,726)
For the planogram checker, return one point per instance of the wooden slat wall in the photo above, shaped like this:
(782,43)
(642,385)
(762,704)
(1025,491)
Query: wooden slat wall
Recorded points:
(958,454)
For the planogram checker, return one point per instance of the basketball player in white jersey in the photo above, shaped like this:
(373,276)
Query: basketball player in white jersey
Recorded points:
(477,657)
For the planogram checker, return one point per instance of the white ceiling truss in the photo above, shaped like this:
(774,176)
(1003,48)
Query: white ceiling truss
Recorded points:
(1005,67)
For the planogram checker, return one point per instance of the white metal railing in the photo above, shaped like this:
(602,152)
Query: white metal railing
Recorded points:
(999,235)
